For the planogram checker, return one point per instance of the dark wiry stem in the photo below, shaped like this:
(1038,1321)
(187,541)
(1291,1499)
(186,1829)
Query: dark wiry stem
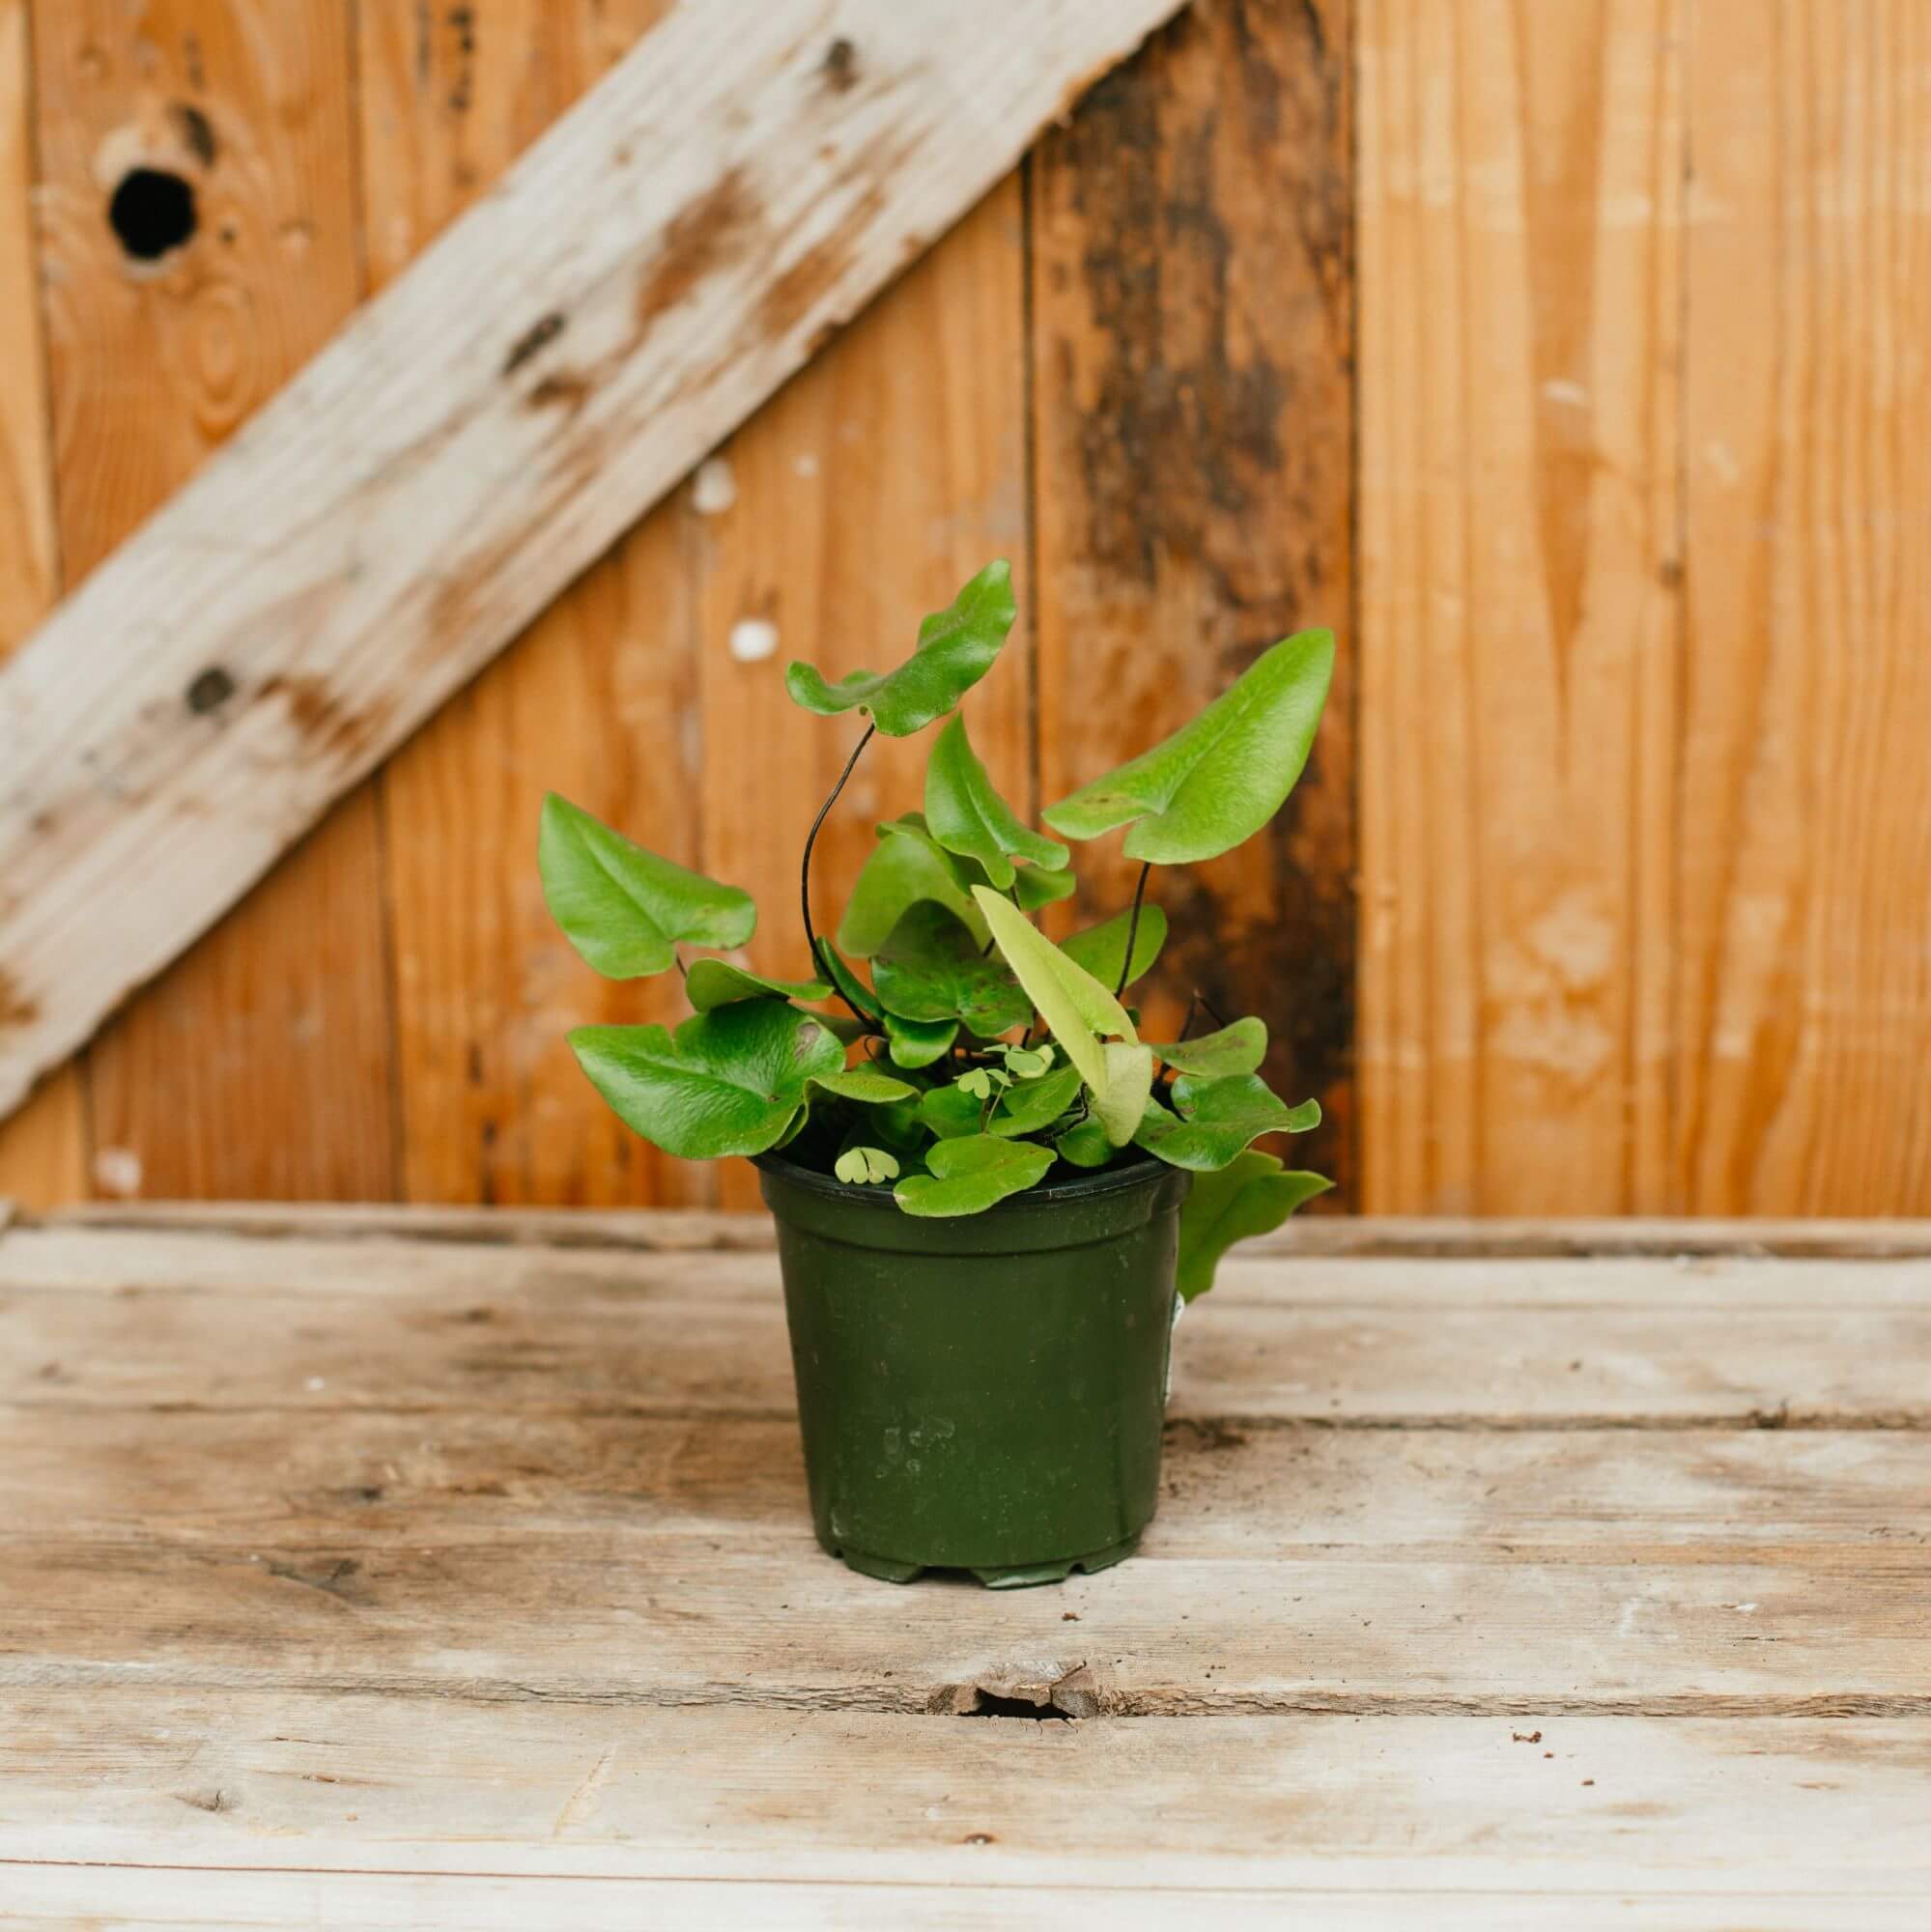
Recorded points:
(1132,930)
(804,872)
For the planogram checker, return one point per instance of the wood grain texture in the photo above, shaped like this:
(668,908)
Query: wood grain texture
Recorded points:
(881,479)
(1520,226)
(692,228)
(404,1579)
(1193,346)
(1805,802)
(43,1147)
(597,699)
(259,1065)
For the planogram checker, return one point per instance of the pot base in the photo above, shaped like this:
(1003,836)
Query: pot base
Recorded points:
(1012,1576)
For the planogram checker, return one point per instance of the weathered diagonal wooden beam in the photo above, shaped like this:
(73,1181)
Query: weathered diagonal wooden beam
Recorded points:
(673,249)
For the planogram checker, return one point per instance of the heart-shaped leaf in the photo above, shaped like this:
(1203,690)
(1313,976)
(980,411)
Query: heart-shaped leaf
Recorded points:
(931,969)
(865,1084)
(915,1044)
(1100,948)
(969,817)
(949,1112)
(625,909)
(1239,1048)
(1215,1119)
(1249,1196)
(717,982)
(1085,1144)
(729,1080)
(1129,1080)
(1071,1002)
(907,865)
(969,1176)
(1028,1105)
(1028,1063)
(955,649)
(860,1166)
(1219,779)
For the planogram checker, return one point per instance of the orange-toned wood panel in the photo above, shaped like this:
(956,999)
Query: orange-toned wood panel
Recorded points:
(1804,822)
(43,1148)
(1520,185)
(199,243)
(859,498)
(1193,318)
(597,701)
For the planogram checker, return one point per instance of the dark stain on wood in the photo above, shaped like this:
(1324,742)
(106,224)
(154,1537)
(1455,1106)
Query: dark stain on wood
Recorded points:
(210,691)
(566,389)
(819,270)
(533,340)
(841,65)
(697,240)
(327,725)
(1195,282)
(196,131)
(16,1009)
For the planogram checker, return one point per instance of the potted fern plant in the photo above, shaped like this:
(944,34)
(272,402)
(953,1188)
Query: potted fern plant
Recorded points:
(992,1194)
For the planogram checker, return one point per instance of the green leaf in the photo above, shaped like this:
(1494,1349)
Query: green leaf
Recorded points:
(1028,1063)
(1129,1080)
(969,1176)
(1100,948)
(1085,1144)
(865,1084)
(1032,1104)
(1219,779)
(717,982)
(955,649)
(895,1126)
(1238,1048)
(915,1044)
(1215,1119)
(950,1113)
(1037,887)
(863,1165)
(1071,1002)
(847,983)
(969,817)
(931,969)
(978,1082)
(1249,1196)
(625,909)
(727,1082)
(907,865)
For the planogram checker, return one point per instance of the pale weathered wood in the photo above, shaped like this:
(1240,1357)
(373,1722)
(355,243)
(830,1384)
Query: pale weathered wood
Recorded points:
(1135,1808)
(890,472)
(1192,336)
(1804,814)
(1390,1236)
(682,237)
(1521,179)
(597,699)
(378,1557)
(259,1064)
(43,1147)
(52,1898)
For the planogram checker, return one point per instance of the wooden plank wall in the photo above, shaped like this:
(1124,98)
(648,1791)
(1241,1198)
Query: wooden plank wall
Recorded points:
(1566,360)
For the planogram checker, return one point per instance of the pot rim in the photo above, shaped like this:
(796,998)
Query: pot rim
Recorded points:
(1139,1172)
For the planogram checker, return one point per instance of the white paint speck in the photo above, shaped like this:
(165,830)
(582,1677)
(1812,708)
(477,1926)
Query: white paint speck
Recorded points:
(716,488)
(1748,1609)
(1561,390)
(807,464)
(753,640)
(117,1169)
(315,1384)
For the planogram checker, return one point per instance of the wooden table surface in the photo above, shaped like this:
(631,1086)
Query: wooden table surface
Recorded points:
(376,1568)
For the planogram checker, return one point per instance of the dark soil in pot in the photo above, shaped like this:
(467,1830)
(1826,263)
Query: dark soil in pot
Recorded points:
(986,1393)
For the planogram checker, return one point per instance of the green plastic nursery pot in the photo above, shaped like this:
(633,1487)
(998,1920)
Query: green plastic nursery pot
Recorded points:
(982,1392)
